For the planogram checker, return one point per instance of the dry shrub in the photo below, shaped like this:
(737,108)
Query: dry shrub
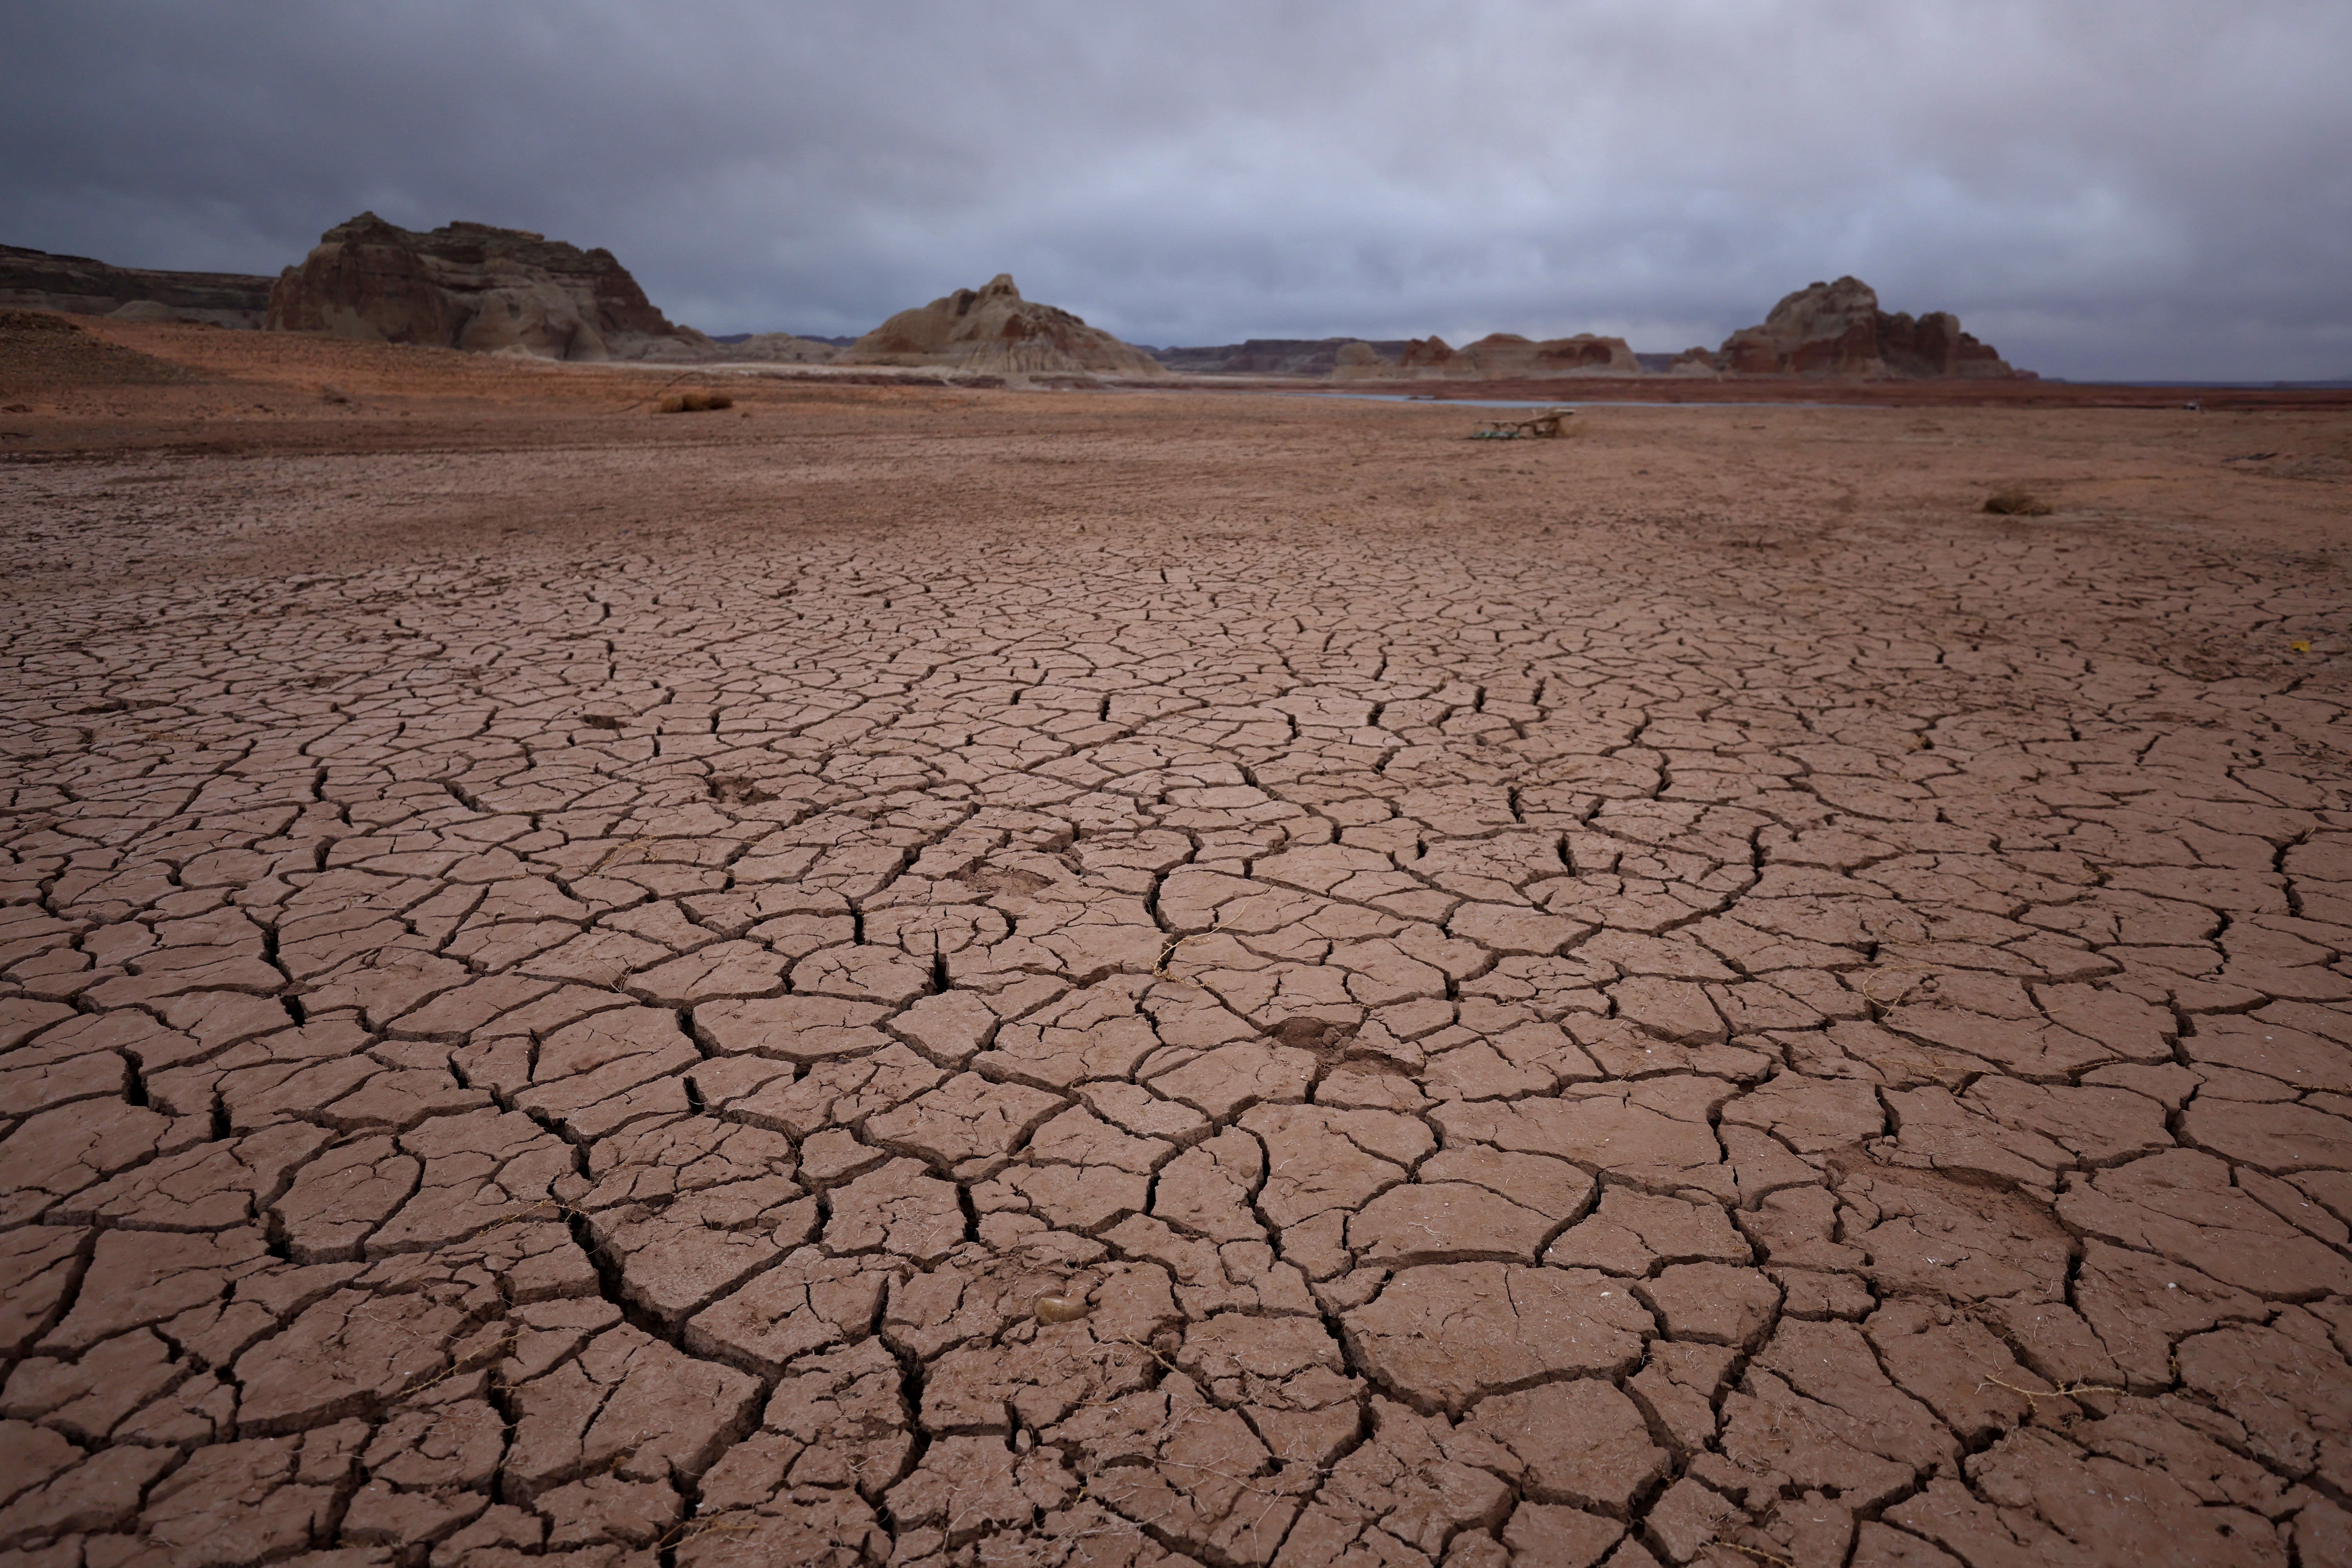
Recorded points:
(35,322)
(2016,502)
(695,402)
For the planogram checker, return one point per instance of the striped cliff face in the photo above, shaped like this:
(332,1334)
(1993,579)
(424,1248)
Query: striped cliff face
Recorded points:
(34,279)
(471,286)
(1836,330)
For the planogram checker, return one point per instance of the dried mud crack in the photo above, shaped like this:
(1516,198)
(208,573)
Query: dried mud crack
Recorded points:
(814,1013)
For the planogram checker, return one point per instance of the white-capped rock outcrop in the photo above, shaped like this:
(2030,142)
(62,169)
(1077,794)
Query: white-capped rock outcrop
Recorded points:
(471,285)
(995,329)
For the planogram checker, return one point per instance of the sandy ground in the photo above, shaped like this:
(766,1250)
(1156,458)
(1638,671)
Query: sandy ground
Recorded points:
(997,977)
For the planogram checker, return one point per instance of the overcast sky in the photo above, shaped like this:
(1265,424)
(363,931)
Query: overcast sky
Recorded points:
(2102,188)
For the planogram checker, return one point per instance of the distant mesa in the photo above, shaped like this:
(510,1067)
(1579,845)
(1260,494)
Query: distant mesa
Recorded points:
(776,348)
(1824,329)
(1498,356)
(1837,330)
(731,339)
(471,285)
(507,291)
(1277,356)
(995,329)
(82,287)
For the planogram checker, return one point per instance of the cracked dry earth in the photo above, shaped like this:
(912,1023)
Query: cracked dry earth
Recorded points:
(1567,1034)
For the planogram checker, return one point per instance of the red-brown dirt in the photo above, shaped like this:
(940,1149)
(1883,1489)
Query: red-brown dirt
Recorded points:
(961,976)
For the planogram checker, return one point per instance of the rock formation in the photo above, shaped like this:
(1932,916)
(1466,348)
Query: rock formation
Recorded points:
(1837,330)
(1430,358)
(1498,356)
(471,286)
(995,329)
(83,287)
(1432,355)
(778,348)
(1822,330)
(1507,356)
(1279,356)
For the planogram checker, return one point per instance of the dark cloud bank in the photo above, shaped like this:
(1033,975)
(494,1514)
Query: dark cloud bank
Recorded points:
(2127,190)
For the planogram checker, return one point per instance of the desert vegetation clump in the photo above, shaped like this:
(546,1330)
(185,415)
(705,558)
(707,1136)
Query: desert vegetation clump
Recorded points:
(34,321)
(2016,502)
(694,402)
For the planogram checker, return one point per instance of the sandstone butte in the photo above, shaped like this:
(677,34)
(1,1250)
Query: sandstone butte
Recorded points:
(1837,330)
(995,329)
(471,285)
(780,348)
(1824,329)
(1498,356)
(475,287)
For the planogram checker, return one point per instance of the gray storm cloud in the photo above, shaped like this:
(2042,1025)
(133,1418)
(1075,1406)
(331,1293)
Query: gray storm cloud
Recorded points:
(2104,190)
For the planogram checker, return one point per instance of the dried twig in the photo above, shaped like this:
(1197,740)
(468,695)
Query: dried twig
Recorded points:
(621,853)
(687,1530)
(2065,1391)
(1909,976)
(1147,1350)
(1757,1552)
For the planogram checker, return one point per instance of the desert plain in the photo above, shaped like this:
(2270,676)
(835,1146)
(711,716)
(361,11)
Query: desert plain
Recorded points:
(961,975)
